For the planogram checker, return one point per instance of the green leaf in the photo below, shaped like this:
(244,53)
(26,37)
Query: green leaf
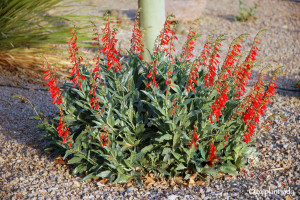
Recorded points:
(122,178)
(37,117)
(104,174)
(176,139)
(144,151)
(210,171)
(180,167)
(75,160)
(164,172)
(140,128)
(80,169)
(203,153)
(90,176)
(166,151)
(178,156)
(229,170)
(130,112)
(163,138)
(149,95)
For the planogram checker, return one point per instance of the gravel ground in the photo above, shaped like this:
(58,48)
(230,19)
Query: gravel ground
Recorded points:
(27,172)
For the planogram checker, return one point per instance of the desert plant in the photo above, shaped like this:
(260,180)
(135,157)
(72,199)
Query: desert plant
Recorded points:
(26,30)
(124,118)
(25,24)
(246,13)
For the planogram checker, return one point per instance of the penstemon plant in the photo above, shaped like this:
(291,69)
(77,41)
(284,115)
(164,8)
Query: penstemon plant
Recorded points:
(123,118)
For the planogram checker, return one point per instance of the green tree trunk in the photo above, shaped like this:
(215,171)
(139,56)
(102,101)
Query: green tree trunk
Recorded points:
(152,19)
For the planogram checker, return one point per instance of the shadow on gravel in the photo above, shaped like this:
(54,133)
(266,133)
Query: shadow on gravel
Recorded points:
(297,1)
(15,122)
(282,88)
(230,18)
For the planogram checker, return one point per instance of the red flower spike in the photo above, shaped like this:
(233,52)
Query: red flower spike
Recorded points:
(195,137)
(231,59)
(220,102)
(62,128)
(190,43)
(94,100)
(212,152)
(55,92)
(243,71)
(75,60)
(165,42)
(109,42)
(201,60)
(104,137)
(258,100)
(136,39)
(210,77)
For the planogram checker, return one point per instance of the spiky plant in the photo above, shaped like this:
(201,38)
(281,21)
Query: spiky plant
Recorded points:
(26,29)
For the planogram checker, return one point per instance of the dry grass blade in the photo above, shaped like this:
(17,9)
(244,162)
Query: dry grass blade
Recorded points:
(30,63)
(277,169)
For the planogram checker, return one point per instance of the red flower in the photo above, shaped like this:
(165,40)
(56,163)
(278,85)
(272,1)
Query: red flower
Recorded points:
(190,43)
(220,103)
(136,40)
(95,100)
(63,129)
(195,137)
(75,60)
(243,71)
(174,108)
(104,137)
(152,74)
(97,70)
(109,40)
(231,58)
(259,99)
(212,152)
(213,62)
(53,85)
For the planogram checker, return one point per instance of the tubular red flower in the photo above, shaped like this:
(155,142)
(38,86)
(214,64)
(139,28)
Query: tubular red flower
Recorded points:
(152,76)
(55,92)
(94,100)
(213,151)
(220,103)
(259,99)
(243,71)
(63,129)
(109,41)
(97,70)
(195,137)
(174,108)
(104,137)
(231,59)
(189,44)
(75,60)
(137,40)
(210,77)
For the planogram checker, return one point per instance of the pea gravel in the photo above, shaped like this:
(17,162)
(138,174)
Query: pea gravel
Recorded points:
(27,172)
